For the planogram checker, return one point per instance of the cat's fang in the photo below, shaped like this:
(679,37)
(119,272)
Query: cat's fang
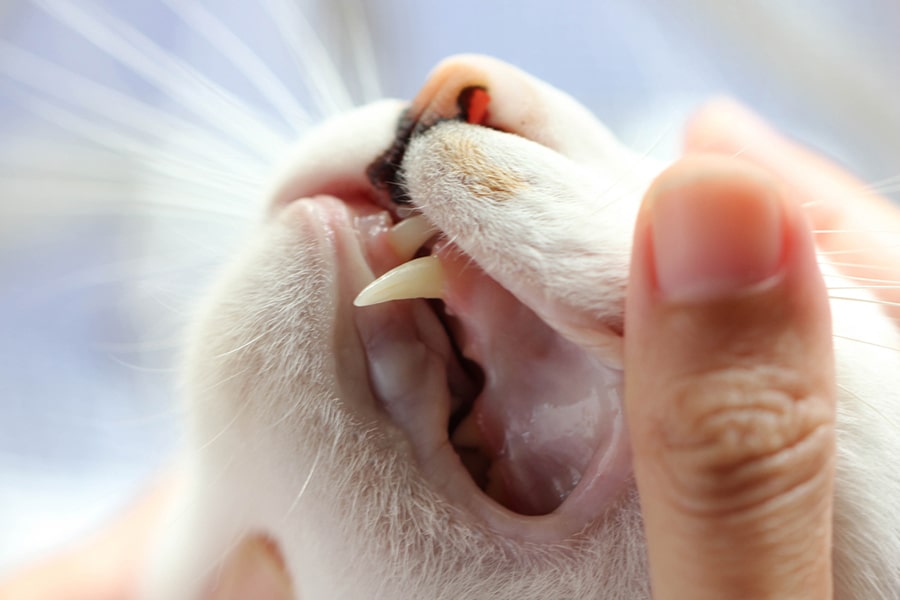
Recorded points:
(419,278)
(407,236)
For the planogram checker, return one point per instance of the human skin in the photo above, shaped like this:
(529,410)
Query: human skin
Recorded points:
(729,387)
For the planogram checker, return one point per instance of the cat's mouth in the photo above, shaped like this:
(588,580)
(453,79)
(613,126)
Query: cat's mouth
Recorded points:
(524,409)
(510,409)
(506,415)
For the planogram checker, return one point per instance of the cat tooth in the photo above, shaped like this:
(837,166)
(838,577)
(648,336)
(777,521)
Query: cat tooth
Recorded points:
(407,236)
(419,278)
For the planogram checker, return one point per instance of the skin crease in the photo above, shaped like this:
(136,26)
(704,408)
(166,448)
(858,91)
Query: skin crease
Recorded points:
(706,530)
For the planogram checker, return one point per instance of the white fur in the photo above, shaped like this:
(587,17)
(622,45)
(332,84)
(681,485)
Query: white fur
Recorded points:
(278,404)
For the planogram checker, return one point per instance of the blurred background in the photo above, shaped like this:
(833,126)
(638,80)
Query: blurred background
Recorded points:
(136,139)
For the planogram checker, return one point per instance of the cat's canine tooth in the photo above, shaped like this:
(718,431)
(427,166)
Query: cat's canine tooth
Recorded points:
(407,236)
(419,278)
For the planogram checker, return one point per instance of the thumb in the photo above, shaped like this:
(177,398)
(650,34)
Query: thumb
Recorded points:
(729,387)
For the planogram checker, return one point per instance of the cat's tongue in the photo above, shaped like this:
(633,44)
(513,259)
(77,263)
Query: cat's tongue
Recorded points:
(548,409)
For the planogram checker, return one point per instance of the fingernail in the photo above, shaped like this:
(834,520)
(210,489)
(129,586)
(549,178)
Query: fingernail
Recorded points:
(714,236)
(254,570)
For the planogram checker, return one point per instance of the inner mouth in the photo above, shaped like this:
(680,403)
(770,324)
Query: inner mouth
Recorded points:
(530,415)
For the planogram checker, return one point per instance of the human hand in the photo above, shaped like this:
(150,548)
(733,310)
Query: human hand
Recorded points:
(728,357)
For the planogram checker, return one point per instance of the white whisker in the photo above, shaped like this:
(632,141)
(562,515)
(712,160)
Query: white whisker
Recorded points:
(174,77)
(245,60)
(143,420)
(868,300)
(867,342)
(237,414)
(311,57)
(885,185)
(857,265)
(864,287)
(139,347)
(858,250)
(126,112)
(869,279)
(865,231)
(303,488)
(34,193)
(159,191)
(78,198)
(636,166)
(246,344)
(866,403)
(141,368)
(362,48)
(168,165)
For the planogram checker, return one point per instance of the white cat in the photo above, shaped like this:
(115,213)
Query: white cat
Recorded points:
(363,440)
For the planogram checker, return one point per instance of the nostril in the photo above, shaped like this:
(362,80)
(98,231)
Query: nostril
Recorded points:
(473,104)
(470,104)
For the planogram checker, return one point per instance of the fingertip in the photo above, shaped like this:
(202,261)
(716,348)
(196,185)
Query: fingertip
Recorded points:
(716,228)
(713,226)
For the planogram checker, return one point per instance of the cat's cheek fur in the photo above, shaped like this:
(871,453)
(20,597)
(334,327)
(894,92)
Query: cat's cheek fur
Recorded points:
(867,485)
(260,369)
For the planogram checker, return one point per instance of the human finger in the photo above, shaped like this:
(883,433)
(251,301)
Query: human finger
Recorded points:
(729,387)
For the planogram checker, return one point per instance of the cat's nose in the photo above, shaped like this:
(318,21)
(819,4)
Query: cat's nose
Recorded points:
(473,89)
(458,88)
(484,91)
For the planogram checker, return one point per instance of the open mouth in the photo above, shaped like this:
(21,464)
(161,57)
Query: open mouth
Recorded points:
(502,409)
(505,390)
